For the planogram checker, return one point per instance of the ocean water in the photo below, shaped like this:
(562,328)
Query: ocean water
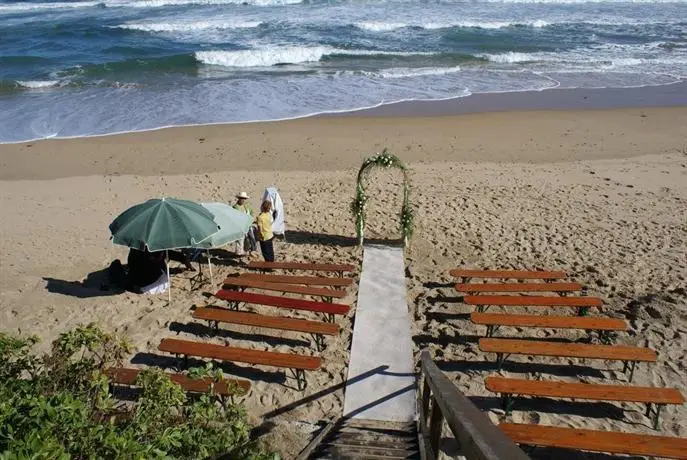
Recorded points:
(89,67)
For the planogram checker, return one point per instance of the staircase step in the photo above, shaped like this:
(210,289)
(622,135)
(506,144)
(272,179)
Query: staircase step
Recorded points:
(353,452)
(367,439)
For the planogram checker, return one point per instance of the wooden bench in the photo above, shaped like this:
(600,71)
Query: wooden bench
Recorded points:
(466,275)
(326,294)
(318,329)
(291,279)
(602,325)
(297,363)
(561,288)
(596,441)
(235,298)
(629,355)
(128,377)
(553,389)
(339,268)
(484,301)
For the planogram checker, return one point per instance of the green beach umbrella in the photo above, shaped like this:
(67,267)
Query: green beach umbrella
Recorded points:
(233,225)
(162,224)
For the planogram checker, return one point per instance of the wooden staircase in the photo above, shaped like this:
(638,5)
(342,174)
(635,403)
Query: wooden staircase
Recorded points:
(364,439)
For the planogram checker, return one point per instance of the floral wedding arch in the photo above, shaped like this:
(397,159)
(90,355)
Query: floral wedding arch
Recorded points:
(359,204)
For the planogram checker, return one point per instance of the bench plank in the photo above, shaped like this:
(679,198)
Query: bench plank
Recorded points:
(509,274)
(283,287)
(518,287)
(301,266)
(307,280)
(558,322)
(269,322)
(568,350)
(241,355)
(530,300)
(125,376)
(596,441)
(282,302)
(555,389)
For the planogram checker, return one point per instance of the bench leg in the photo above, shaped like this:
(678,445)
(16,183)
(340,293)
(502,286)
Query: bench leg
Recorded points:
(491,329)
(329,317)
(299,375)
(319,341)
(656,411)
(507,403)
(214,327)
(631,366)
(501,358)
(583,311)
(605,337)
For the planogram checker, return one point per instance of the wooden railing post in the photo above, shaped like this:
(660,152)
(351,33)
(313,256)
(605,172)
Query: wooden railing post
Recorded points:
(436,423)
(477,436)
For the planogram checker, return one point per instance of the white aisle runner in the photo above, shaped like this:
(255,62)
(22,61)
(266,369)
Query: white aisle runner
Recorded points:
(381,383)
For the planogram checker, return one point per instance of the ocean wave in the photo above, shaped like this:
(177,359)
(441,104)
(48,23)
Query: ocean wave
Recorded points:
(376,26)
(38,84)
(262,57)
(268,57)
(190,26)
(161,3)
(30,6)
(404,72)
(27,6)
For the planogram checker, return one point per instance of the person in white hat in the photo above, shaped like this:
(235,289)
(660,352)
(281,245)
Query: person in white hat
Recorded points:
(242,205)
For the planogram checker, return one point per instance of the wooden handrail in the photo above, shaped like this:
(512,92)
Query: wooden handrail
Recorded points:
(476,435)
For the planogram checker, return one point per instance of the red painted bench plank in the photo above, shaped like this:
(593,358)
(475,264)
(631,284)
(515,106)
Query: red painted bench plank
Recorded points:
(128,377)
(301,266)
(562,322)
(596,441)
(569,350)
(282,302)
(518,287)
(269,322)
(307,280)
(282,287)
(512,274)
(530,300)
(241,355)
(556,389)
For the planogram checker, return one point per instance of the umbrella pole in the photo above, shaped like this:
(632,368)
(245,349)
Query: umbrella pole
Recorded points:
(212,280)
(169,280)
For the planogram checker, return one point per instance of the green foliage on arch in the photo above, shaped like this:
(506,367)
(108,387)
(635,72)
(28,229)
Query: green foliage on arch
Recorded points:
(359,204)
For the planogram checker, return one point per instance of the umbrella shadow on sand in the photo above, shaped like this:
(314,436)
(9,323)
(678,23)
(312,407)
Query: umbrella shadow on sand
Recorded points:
(96,284)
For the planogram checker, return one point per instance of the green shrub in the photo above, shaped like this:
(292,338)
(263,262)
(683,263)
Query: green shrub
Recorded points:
(58,406)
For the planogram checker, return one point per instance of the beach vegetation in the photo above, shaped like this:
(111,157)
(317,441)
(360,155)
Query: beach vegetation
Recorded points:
(59,406)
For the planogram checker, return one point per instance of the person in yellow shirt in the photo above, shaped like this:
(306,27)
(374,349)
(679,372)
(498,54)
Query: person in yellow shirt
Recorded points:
(265,235)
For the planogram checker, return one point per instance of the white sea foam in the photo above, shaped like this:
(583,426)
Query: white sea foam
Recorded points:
(161,3)
(267,57)
(404,72)
(263,57)
(30,7)
(190,26)
(38,84)
(376,26)
(26,6)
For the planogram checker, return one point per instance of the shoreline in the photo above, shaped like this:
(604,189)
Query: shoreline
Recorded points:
(341,143)
(667,95)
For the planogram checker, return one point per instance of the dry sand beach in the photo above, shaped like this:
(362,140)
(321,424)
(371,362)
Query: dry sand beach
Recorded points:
(599,194)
